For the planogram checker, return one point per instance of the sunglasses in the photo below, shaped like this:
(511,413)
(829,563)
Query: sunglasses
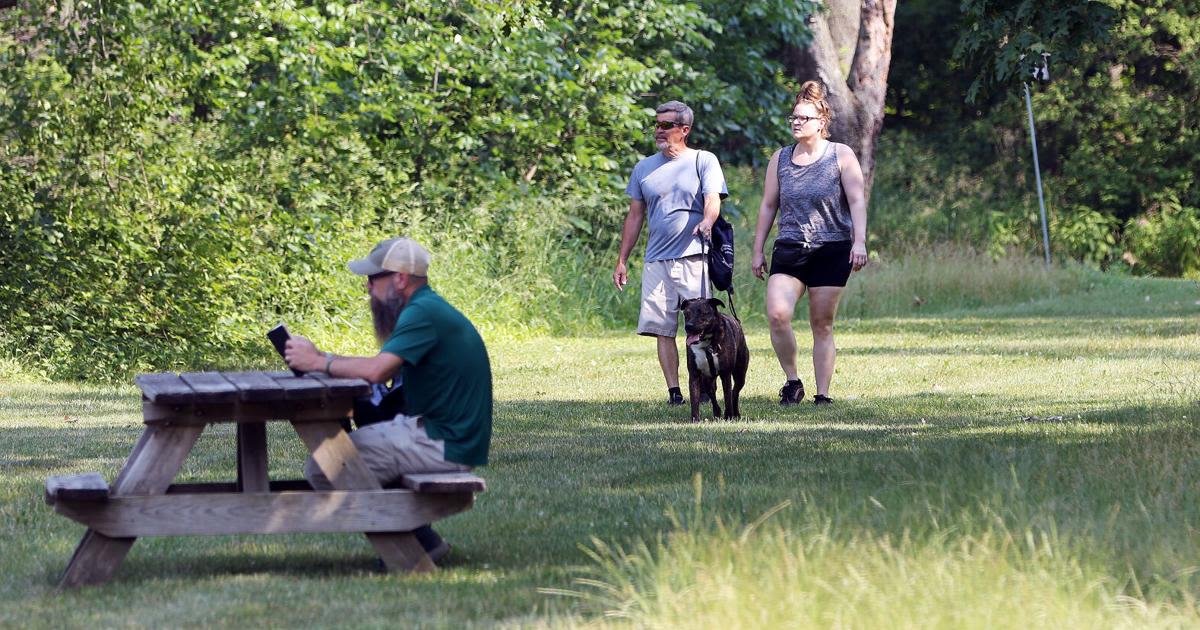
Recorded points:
(666,124)
(379,276)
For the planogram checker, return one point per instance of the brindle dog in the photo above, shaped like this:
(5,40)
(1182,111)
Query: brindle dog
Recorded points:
(716,347)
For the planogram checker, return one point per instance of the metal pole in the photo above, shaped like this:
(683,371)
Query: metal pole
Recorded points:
(1037,172)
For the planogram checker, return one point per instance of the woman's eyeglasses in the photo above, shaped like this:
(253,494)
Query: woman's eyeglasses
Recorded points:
(666,124)
(803,120)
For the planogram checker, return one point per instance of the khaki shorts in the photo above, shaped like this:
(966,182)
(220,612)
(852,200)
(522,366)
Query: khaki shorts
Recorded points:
(665,285)
(390,449)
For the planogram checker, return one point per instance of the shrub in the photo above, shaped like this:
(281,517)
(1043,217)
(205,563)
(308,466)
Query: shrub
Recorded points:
(1167,240)
(1086,235)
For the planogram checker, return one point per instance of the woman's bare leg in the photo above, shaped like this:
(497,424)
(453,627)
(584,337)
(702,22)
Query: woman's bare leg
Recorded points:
(822,308)
(783,291)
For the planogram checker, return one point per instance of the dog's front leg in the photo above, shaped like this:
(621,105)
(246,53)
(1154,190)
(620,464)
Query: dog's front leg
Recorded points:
(731,406)
(711,385)
(694,387)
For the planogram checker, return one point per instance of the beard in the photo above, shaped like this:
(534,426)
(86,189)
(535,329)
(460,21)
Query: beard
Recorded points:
(384,314)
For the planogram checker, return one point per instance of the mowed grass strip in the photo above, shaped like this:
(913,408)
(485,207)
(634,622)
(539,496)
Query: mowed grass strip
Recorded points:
(1041,455)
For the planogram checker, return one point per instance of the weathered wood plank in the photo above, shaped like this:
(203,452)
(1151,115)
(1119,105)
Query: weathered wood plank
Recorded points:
(155,460)
(443,483)
(255,386)
(209,487)
(401,551)
(342,386)
(252,457)
(164,388)
(82,487)
(292,411)
(95,559)
(301,387)
(158,460)
(143,439)
(210,387)
(277,513)
(337,457)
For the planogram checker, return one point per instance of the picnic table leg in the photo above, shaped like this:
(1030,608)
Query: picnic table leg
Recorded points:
(156,458)
(333,451)
(252,457)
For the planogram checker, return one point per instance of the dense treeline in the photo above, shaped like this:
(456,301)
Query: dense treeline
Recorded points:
(1117,126)
(175,176)
(178,174)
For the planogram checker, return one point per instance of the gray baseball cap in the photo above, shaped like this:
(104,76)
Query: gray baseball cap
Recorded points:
(402,255)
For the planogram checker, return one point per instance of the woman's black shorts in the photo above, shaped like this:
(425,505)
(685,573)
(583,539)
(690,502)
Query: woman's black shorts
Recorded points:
(814,264)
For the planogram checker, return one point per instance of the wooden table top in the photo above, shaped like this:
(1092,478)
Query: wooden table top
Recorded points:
(251,387)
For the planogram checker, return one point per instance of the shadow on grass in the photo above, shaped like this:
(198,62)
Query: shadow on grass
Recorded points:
(565,471)
(148,563)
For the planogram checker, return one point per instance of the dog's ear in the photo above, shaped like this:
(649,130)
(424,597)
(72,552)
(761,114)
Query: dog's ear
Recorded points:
(715,302)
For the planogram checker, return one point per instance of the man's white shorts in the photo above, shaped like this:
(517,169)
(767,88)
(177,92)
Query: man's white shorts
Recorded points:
(665,285)
(390,449)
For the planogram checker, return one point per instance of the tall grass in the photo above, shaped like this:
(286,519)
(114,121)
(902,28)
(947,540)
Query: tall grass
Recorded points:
(949,276)
(789,571)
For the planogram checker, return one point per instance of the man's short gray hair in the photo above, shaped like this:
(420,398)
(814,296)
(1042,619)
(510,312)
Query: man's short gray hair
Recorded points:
(683,113)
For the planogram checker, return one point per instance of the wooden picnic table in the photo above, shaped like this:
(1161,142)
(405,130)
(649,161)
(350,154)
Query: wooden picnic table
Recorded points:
(143,501)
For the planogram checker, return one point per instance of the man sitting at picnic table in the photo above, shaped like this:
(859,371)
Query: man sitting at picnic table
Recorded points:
(438,355)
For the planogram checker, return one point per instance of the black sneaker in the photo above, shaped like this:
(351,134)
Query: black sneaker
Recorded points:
(821,399)
(674,396)
(792,393)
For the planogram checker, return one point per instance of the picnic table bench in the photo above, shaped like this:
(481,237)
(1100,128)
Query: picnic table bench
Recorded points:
(143,501)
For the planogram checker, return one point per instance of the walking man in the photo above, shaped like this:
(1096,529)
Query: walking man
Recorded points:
(678,192)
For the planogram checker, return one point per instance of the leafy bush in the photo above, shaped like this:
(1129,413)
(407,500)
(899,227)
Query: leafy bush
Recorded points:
(1116,122)
(177,176)
(1167,239)
(1086,235)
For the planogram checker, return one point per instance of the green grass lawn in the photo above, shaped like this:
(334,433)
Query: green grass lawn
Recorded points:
(1026,464)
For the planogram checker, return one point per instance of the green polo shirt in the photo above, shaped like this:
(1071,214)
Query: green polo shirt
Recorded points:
(447,377)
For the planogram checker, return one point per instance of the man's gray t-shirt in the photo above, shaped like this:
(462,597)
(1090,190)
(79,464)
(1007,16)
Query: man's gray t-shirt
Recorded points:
(673,209)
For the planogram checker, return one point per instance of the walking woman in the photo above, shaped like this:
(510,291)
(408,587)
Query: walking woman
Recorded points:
(816,188)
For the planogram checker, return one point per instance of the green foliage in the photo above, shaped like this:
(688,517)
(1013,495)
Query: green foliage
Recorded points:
(1116,125)
(1167,239)
(178,176)
(739,85)
(1008,38)
(1086,235)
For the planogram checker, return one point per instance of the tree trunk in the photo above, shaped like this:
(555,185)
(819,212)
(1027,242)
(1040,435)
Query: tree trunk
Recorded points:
(850,52)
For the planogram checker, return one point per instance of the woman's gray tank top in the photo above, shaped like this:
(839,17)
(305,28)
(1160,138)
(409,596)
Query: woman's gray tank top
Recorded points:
(812,205)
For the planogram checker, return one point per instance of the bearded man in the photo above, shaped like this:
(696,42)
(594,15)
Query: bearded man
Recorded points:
(439,356)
